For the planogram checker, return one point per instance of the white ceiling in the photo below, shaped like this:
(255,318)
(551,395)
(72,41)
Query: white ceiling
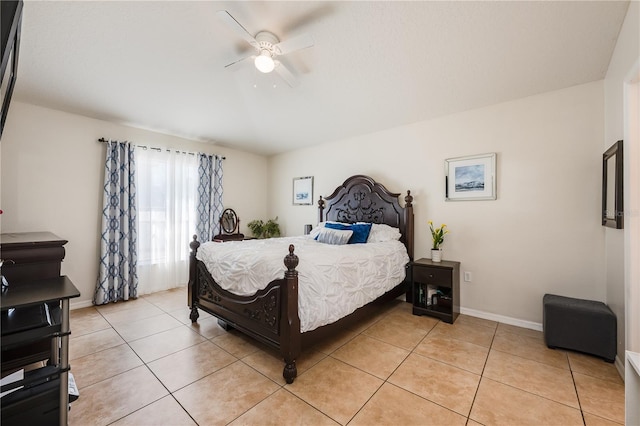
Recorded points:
(374,65)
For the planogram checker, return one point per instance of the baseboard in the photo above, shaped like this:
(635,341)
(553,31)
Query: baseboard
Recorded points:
(79,305)
(619,363)
(503,319)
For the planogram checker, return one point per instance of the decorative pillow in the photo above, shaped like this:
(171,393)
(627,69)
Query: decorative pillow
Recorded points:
(334,236)
(360,231)
(381,233)
(315,231)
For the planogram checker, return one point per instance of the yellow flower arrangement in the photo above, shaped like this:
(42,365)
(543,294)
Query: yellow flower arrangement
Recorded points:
(438,234)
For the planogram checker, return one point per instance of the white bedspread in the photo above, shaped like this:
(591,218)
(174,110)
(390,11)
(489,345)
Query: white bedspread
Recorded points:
(333,280)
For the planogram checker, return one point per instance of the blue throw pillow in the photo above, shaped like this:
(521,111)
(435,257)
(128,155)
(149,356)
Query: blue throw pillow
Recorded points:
(334,225)
(360,231)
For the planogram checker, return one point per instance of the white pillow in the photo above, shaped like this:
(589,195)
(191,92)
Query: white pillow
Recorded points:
(315,231)
(334,236)
(381,233)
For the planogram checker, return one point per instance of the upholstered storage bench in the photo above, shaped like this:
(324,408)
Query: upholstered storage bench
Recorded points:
(581,325)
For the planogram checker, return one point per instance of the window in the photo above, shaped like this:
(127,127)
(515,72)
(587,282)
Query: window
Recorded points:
(167,184)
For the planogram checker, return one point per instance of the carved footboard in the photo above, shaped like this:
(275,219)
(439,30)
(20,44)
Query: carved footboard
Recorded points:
(270,316)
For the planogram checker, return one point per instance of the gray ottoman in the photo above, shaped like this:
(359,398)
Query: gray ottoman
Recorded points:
(580,325)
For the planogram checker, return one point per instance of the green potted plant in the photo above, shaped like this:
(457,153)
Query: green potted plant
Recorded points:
(261,229)
(437,237)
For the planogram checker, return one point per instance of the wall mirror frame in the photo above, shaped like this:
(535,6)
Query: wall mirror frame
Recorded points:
(612,189)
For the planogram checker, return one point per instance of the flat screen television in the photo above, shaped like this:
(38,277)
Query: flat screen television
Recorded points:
(11,20)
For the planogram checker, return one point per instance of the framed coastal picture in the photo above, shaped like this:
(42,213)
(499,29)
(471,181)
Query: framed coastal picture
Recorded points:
(470,178)
(303,191)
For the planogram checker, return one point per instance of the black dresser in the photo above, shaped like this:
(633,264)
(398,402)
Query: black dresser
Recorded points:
(29,257)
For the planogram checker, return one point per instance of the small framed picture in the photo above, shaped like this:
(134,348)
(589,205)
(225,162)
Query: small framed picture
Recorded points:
(470,178)
(303,191)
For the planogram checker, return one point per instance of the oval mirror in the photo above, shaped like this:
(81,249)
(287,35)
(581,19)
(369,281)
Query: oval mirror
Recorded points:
(229,221)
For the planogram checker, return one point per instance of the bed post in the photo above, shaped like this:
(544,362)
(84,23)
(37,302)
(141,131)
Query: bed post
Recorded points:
(408,220)
(320,209)
(290,321)
(192,286)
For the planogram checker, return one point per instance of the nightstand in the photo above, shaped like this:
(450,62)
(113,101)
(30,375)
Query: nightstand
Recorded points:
(436,289)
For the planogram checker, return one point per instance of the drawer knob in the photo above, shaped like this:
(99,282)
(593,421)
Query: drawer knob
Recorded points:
(430,275)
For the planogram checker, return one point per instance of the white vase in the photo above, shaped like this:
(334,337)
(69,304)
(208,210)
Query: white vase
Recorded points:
(436,255)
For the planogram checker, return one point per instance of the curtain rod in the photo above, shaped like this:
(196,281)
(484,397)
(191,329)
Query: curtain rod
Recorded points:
(103,140)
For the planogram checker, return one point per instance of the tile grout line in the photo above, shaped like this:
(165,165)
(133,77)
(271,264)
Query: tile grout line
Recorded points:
(575,387)
(383,380)
(486,360)
(145,364)
(386,381)
(330,354)
(237,359)
(148,369)
(157,378)
(546,366)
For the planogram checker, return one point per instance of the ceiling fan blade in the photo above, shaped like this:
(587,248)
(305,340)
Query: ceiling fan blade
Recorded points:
(293,44)
(286,74)
(235,26)
(236,62)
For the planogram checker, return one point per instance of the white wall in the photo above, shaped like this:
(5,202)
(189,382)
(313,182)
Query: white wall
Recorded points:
(52,173)
(542,234)
(625,57)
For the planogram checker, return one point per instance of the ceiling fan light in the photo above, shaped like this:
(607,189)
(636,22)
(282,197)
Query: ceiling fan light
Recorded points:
(264,62)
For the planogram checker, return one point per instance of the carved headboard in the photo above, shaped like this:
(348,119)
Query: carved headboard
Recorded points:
(361,199)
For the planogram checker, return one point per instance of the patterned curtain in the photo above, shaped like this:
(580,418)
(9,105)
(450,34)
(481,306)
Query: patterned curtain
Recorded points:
(209,196)
(118,276)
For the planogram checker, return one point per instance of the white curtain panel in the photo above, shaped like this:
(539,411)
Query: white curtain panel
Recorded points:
(167,197)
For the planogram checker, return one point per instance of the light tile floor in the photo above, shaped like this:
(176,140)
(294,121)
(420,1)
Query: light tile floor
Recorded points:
(142,362)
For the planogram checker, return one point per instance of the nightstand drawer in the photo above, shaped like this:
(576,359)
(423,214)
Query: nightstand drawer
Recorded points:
(436,276)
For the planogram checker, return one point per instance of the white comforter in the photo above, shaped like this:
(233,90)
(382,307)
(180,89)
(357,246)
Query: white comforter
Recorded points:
(333,280)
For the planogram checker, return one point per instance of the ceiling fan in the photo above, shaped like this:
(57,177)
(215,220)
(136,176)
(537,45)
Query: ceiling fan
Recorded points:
(268,47)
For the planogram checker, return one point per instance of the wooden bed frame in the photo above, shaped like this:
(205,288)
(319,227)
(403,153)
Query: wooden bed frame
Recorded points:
(271,315)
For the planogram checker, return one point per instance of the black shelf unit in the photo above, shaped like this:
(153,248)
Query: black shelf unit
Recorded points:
(37,402)
(436,289)
(45,389)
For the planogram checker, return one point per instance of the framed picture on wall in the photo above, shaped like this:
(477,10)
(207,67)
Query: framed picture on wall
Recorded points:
(303,191)
(470,178)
